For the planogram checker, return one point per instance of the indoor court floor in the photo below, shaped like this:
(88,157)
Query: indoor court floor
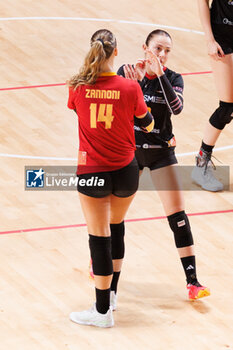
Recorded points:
(44,252)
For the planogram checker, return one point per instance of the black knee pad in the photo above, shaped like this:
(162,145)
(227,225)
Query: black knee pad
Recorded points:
(101,256)
(180,226)
(222,116)
(118,242)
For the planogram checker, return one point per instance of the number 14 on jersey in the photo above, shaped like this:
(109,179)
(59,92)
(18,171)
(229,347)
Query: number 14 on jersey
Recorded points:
(104,114)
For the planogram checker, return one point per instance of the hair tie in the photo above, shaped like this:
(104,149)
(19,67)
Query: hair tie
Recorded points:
(100,41)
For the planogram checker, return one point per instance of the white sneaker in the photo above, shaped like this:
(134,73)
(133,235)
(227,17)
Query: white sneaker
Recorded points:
(113,300)
(204,177)
(93,318)
(202,173)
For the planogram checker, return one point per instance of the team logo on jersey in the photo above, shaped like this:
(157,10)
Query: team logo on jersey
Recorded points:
(35,178)
(178,88)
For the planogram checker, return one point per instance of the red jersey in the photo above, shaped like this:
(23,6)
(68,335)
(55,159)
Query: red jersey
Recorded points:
(106,113)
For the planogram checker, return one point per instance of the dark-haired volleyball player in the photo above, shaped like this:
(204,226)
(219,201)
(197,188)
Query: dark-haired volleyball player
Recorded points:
(105,105)
(162,89)
(217,23)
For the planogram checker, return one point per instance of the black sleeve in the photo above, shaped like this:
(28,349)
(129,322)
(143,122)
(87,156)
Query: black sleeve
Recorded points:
(121,71)
(173,94)
(146,123)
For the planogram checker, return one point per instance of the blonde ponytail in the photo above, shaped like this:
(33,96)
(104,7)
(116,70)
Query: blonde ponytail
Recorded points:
(103,43)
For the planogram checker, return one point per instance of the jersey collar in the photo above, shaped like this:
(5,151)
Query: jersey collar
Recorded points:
(107,74)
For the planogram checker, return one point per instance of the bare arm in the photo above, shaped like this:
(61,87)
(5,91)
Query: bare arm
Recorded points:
(204,14)
(214,49)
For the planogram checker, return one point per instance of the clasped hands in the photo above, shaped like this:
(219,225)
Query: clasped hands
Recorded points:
(138,70)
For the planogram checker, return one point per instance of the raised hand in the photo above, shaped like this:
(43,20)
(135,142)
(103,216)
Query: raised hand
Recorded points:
(130,72)
(154,63)
(137,71)
(140,69)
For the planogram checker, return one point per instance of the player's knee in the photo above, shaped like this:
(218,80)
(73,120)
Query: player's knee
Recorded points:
(117,240)
(100,248)
(180,226)
(222,116)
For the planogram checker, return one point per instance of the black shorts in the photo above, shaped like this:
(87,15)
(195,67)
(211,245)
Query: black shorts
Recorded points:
(122,182)
(223,34)
(155,158)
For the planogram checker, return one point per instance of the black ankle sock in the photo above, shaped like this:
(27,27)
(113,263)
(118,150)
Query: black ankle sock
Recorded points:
(115,279)
(102,300)
(207,148)
(189,266)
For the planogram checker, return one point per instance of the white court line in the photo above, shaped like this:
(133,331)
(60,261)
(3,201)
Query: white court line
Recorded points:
(20,156)
(215,150)
(6,155)
(100,20)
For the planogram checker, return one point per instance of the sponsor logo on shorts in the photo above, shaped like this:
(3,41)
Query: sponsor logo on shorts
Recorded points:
(227,21)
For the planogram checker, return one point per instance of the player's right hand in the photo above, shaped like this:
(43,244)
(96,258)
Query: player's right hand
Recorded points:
(140,68)
(135,72)
(215,51)
(130,72)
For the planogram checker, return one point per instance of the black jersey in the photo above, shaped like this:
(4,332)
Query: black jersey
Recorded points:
(222,12)
(159,108)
